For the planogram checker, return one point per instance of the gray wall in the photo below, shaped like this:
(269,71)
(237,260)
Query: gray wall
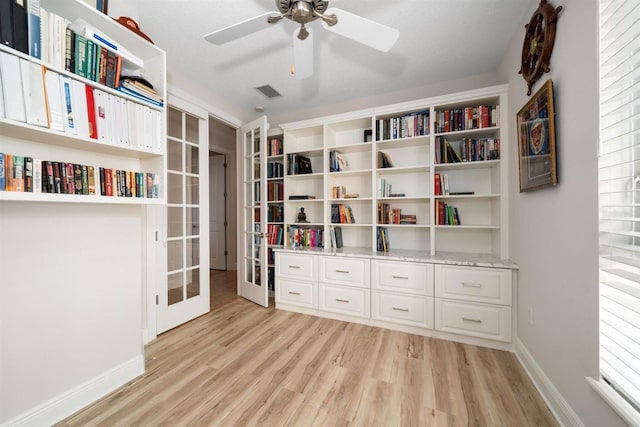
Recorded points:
(553,232)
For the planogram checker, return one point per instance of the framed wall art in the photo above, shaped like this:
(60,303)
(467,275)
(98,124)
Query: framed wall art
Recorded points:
(537,140)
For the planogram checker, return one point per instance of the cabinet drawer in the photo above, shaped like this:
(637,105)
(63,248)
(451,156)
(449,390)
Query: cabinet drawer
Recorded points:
(298,293)
(345,271)
(490,285)
(407,309)
(345,300)
(480,320)
(409,277)
(296,266)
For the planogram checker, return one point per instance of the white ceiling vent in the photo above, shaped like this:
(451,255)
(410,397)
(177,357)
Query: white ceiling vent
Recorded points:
(268,91)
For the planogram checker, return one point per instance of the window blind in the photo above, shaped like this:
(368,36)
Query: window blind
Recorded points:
(619,197)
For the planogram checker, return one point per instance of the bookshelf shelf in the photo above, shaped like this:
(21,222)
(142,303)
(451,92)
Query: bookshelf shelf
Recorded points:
(70,118)
(413,168)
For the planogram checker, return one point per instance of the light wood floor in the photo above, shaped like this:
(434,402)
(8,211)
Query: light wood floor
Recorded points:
(246,365)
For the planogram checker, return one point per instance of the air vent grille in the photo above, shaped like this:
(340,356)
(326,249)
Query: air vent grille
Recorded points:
(268,91)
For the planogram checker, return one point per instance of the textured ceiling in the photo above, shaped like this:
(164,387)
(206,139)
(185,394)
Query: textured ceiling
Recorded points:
(439,40)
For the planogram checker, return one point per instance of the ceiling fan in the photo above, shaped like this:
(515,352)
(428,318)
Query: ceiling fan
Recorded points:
(346,24)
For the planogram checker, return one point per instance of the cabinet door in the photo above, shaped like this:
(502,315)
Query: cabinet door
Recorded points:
(252,274)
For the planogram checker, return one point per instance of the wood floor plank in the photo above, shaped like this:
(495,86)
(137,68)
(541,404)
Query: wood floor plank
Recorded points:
(247,365)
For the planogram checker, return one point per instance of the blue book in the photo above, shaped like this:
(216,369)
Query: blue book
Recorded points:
(33,26)
(139,96)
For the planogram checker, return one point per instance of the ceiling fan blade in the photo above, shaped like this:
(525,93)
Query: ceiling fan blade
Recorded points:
(241,29)
(302,54)
(362,30)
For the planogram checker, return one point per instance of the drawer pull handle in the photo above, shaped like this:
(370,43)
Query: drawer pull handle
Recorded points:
(467,319)
(342,300)
(294,293)
(342,271)
(472,285)
(400,277)
(294,266)
(406,310)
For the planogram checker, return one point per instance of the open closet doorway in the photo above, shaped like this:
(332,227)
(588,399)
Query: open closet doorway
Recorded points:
(222,213)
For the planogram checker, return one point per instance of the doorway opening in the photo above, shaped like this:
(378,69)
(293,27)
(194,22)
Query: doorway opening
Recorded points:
(222,213)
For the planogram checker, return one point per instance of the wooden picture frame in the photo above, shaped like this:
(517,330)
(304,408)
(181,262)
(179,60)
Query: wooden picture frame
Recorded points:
(537,140)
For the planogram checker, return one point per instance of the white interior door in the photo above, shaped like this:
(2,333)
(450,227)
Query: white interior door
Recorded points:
(185,292)
(218,217)
(252,161)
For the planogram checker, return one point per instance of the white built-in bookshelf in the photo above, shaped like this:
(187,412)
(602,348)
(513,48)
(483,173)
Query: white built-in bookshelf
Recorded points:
(138,146)
(389,176)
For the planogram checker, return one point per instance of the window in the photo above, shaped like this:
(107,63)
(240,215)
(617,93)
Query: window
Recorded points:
(619,188)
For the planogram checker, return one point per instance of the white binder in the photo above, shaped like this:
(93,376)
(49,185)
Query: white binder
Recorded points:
(54,100)
(12,87)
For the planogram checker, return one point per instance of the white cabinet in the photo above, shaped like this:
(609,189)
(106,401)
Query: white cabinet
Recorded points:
(296,276)
(400,308)
(345,300)
(448,301)
(297,266)
(402,292)
(344,271)
(474,301)
(344,285)
(299,293)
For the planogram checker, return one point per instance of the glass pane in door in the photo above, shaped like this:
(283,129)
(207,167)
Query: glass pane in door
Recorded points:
(183,210)
(252,206)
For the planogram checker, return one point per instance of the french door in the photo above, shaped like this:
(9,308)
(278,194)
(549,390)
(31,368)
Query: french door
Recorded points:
(184,294)
(252,273)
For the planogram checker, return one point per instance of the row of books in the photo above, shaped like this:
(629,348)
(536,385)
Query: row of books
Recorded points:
(340,192)
(342,214)
(382,239)
(73,46)
(337,162)
(275,170)
(275,213)
(406,126)
(384,189)
(275,191)
(14,31)
(467,150)
(298,164)
(446,214)
(389,215)
(336,237)
(26,174)
(38,96)
(275,234)
(306,237)
(274,147)
(458,119)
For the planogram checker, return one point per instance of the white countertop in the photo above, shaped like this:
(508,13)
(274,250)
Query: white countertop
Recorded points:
(449,258)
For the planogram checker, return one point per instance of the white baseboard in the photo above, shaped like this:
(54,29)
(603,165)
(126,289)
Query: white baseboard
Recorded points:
(554,400)
(71,401)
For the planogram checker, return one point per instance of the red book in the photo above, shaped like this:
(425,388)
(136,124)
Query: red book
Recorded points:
(438,187)
(108,182)
(485,117)
(91,113)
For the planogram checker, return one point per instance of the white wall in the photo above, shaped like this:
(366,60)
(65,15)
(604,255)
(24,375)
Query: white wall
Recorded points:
(70,305)
(553,232)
